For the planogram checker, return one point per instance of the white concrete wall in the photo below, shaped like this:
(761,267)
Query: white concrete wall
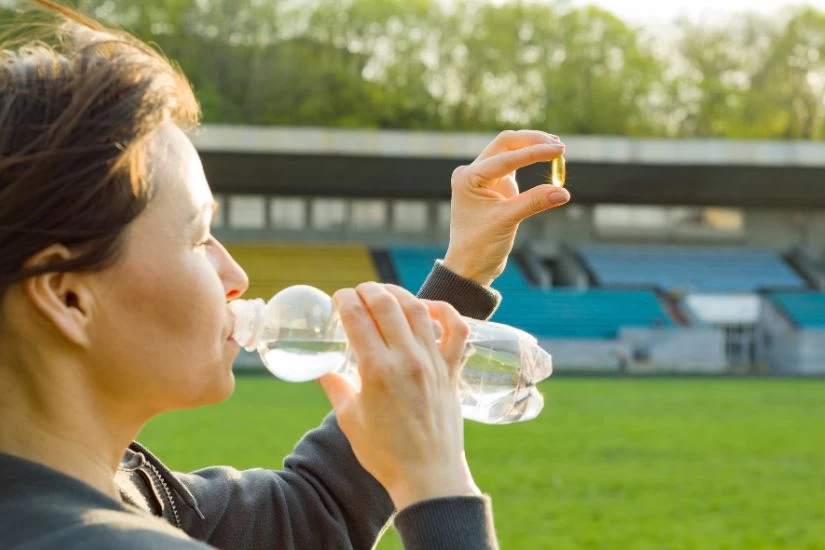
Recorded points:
(811,352)
(402,143)
(789,349)
(780,339)
(582,355)
(699,349)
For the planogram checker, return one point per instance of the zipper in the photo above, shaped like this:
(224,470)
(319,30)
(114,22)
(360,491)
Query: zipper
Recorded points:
(168,494)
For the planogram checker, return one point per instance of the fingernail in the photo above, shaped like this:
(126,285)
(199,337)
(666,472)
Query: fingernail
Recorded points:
(558,196)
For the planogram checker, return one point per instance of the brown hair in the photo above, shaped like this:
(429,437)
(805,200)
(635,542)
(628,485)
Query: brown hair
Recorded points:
(76,109)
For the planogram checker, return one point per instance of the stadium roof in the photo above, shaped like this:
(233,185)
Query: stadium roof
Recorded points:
(405,164)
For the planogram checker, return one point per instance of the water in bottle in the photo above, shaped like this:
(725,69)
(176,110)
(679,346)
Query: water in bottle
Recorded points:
(299,338)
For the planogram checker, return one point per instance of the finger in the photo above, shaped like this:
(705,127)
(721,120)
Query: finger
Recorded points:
(498,166)
(388,315)
(417,314)
(535,200)
(338,391)
(455,333)
(510,140)
(364,338)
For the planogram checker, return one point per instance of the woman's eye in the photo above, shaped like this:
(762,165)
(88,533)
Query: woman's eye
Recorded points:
(204,242)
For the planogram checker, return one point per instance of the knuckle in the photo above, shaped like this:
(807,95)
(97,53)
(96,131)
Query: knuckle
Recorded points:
(366,286)
(538,153)
(430,305)
(458,173)
(342,296)
(340,293)
(372,377)
(349,313)
(460,328)
(383,302)
(505,135)
(416,366)
(398,290)
(370,359)
(441,308)
(475,178)
(449,309)
(418,309)
(536,204)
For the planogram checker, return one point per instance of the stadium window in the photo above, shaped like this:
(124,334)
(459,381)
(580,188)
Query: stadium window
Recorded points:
(651,216)
(328,214)
(575,211)
(443,215)
(368,214)
(219,217)
(668,221)
(247,212)
(725,219)
(288,213)
(409,216)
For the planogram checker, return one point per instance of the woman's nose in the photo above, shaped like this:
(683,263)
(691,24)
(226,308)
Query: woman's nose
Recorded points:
(234,278)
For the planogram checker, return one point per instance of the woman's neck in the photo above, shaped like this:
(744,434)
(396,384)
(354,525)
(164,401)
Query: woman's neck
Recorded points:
(53,418)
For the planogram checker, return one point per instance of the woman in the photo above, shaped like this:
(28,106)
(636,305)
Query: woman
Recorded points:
(114,309)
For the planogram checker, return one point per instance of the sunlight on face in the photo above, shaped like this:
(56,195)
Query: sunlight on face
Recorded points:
(165,324)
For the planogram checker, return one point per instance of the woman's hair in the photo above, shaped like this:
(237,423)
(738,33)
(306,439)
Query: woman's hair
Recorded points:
(77,106)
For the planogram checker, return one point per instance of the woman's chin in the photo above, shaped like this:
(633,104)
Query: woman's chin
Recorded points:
(227,386)
(219,390)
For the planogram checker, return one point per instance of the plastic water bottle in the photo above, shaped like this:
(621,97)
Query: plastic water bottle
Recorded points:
(299,337)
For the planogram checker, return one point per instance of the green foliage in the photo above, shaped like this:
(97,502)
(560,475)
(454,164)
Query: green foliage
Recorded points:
(755,77)
(630,463)
(474,65)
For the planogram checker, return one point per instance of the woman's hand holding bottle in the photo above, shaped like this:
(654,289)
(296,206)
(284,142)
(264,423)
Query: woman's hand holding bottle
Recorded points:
(405,424)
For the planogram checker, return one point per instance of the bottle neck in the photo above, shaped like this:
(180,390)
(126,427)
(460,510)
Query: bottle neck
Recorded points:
(248,323)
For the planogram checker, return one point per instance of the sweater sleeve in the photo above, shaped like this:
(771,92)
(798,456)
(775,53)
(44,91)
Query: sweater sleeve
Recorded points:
(323,498)
(454,523)
(468,297)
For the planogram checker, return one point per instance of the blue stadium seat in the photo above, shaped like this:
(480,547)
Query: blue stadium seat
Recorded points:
(558,313)
(594,313)
(689,268)
(413,264)
(806,309)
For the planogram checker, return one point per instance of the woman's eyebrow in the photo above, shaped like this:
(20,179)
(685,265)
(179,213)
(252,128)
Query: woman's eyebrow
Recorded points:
(196,217)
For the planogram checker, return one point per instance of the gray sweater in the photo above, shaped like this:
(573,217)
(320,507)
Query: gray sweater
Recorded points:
(322,498)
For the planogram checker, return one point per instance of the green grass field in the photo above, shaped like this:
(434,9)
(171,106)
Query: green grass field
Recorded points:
(660,463)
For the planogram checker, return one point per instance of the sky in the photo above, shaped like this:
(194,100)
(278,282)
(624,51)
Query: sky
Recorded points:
(659,11)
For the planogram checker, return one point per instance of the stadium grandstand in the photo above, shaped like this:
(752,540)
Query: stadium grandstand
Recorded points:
(675,256)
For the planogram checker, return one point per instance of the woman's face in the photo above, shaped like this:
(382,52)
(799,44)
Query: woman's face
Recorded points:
(161,329)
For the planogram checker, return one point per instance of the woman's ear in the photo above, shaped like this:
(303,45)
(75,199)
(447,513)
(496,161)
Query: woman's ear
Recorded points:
(61,298)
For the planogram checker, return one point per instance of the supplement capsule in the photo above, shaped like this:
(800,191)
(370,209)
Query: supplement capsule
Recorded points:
(558,172)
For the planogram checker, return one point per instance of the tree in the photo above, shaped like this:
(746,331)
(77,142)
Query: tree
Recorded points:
(477,65)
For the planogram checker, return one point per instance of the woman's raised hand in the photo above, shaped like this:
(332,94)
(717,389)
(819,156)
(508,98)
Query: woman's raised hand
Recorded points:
(487,208)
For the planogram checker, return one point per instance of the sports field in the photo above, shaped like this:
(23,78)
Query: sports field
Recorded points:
(621,463)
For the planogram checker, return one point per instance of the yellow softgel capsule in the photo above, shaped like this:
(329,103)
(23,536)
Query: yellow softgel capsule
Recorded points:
(558,172)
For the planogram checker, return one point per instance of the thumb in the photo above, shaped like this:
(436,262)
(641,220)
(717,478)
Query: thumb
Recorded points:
(339,391)
(535,200)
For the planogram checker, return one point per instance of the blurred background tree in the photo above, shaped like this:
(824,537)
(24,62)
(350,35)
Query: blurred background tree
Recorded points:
(474,65)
